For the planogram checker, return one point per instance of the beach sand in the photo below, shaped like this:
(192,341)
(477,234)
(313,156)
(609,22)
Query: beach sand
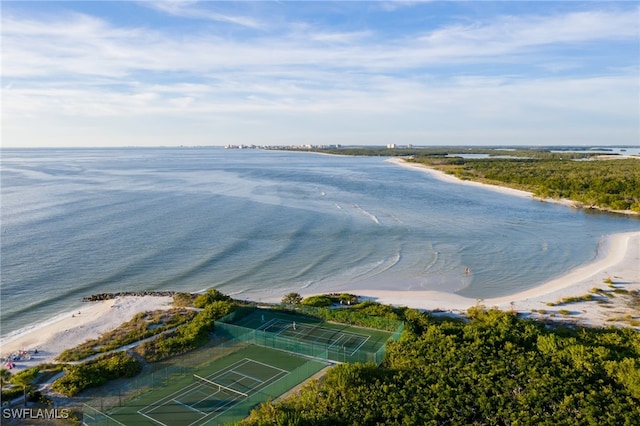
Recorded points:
(621,264)
(77,327)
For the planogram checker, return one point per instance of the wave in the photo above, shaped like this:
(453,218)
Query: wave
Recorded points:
(367,214)
(36,326)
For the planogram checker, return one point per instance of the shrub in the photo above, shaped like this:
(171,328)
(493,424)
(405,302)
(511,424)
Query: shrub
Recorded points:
(141,326)
(212,295)
(183,299)
(317,301)
(96,373)
(292,299)
(186,337)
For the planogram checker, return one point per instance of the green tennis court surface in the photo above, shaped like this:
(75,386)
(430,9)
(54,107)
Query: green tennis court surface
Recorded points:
(262,354)
(346,340)
(219,393)
(207,397)
(343,342)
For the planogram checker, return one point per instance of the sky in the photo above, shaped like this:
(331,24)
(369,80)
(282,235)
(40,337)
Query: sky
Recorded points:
(171,73)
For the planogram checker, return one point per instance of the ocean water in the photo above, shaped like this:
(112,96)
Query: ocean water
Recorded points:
(259,224)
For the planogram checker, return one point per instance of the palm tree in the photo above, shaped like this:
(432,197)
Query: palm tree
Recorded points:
(24,379)
(5,375)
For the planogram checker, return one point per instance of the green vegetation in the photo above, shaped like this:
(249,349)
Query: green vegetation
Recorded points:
(181,300)
(186,337)
(364,314)
(607,184)
(318,301)
(573,299)
(492,369)
(176,331)
(5,375)
(292,299)
(24,380)
(578,176)
(141,326)
(212,295)
(345,299)
(96,373)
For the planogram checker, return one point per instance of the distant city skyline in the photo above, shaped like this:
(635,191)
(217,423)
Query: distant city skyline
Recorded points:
(171,73)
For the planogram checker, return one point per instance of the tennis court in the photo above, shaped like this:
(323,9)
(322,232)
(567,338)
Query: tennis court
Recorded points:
(216,392)
(349,342)
(299,333)
(209,396)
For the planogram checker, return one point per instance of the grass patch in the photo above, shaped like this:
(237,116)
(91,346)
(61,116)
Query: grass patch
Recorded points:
(141,326)
(573,299)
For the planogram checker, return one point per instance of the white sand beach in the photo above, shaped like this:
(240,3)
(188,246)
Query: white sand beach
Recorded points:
(77,327)
(621,264)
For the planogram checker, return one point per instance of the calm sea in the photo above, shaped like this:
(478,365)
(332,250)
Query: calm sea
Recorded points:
(258,224)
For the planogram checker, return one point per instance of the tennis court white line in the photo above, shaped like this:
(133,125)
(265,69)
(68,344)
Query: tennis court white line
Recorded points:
(196,386)
(249,377)
(151,418)
(360,345)
(267,324)
(188,388)
(342,336)
(267,365)
(187,406)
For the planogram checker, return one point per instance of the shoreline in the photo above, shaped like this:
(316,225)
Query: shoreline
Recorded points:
(444,177)
(621,264)
(68,330)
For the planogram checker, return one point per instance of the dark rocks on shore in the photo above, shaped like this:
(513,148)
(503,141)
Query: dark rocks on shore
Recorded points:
(107,296)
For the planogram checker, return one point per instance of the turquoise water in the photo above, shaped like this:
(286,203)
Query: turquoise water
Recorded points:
(258,224)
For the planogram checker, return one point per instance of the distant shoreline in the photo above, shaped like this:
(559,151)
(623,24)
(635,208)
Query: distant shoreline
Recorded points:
(445,177)
(440,175)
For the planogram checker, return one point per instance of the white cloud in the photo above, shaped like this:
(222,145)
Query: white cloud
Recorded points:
(189,9)
(83,68)
(84,45)
(510,34)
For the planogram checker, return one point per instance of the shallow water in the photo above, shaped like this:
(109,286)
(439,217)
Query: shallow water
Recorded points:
(258,224)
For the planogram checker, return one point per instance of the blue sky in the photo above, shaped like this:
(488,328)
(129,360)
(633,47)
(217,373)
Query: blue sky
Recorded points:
(165,73)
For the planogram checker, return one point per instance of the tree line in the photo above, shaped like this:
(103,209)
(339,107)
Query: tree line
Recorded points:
(608,184)
(547,172)
(493,368)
